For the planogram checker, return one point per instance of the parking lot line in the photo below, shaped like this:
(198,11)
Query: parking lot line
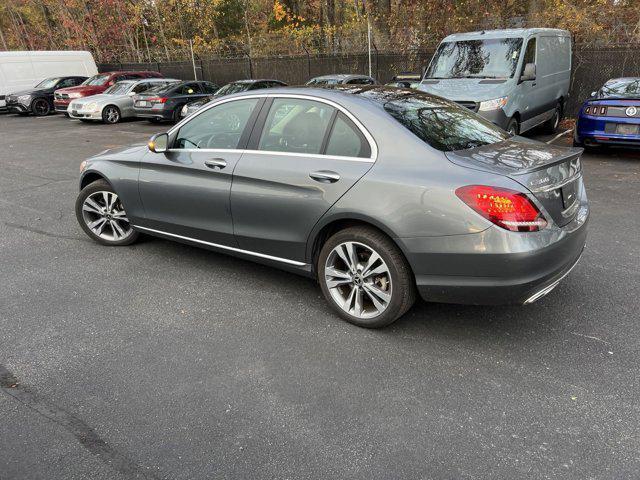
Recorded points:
(559,135)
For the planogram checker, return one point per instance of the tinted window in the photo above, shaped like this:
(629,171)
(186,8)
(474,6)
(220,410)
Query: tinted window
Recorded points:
(346,140)
(141,87)
(230,88)
(218,127)
(295,125)
(118,89)
(492,58)
(361,81)
(68,82)
(187,89)
(209,87)
(443,125)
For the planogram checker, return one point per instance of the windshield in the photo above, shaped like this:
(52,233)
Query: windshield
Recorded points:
(96,80)
(230,88)
(48,83)
(491,58)
(118,89)
(623,87)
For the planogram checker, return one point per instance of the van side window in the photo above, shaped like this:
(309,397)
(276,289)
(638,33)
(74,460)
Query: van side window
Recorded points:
(530,52)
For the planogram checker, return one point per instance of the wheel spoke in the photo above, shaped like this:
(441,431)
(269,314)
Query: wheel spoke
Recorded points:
(336,277)
(358,301)
(382,268)
(382,295)
(349,300)
(120,216)
(117,230)
(90,205)
(379,306)
(98,225)
(373,259)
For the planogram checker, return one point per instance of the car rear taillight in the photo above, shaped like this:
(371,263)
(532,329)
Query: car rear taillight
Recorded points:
(158,100)
(506,208)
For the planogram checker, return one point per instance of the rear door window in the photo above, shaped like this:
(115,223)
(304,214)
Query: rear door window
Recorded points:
(346,140)
(295,125)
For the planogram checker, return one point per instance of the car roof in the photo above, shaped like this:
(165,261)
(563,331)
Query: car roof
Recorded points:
(345,95)
(255,80)
(507,32)
(340,76)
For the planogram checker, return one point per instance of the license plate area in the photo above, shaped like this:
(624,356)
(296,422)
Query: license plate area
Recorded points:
(627,129)
(569,194)
(141,103)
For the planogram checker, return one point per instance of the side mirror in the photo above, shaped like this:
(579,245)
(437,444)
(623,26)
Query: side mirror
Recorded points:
(593,94)
(131,93)
(158,143)
(529,72)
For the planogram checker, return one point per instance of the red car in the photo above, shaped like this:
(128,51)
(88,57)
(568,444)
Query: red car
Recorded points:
(95,85)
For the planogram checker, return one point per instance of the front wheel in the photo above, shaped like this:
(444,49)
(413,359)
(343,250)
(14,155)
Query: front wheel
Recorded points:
(40,107)
(101,215)
(513,127)
(111,114)
(365,277)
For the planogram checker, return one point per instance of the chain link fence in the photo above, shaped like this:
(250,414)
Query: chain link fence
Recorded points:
(591,67)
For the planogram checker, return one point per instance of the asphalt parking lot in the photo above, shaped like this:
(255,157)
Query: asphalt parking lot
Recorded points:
(162,360)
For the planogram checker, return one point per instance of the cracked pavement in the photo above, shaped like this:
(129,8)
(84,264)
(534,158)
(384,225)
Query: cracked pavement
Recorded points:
(162,360)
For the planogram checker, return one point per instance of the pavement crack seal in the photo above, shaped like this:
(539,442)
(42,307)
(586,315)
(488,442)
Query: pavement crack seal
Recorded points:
(41,232)
(86,436)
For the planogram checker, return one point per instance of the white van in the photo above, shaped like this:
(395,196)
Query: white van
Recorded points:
(24,70)
(517,78)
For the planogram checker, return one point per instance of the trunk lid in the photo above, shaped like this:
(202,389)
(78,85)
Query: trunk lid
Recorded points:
(552,174)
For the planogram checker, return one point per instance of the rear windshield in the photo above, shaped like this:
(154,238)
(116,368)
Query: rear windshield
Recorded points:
(438,122)
(324,81)
(161,88)
(230,88)
(624,87)
(96,80)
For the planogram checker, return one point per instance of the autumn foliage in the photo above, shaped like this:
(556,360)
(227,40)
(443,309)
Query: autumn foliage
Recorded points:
(156,30)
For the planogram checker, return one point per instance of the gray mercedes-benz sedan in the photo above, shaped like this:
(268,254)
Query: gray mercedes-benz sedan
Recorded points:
(379,193)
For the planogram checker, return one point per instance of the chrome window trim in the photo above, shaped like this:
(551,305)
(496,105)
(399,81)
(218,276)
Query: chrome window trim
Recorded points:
(224,247)
(372,144)
(271,152)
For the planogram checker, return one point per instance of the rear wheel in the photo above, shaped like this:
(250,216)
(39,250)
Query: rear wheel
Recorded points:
(513,127)
(40,107)
(101,215)
(176,114)
(111,114)
(365,278)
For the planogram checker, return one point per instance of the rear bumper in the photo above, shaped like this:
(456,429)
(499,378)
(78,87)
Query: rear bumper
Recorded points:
(495,266)
(154,113)
(591,131)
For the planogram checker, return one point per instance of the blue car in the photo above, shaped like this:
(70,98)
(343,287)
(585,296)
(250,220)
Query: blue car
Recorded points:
(611,116)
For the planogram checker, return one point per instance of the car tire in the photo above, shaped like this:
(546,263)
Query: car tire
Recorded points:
(102,216)
(154,120)
(513,127)
(371,305)
(175,116)
(551,125)
(111,115)
(40,107)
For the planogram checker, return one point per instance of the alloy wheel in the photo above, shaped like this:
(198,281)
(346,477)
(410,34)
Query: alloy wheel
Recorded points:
(104,215)
(41,107)
(358,280)
(112,115)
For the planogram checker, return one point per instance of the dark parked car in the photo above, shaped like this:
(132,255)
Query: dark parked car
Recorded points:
(611,116)
(165,103)
(233,87)
(341,79)
(380,193)
(405,80)
(94,85)
(39,99)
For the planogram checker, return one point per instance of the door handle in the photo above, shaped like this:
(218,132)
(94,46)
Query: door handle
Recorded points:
(216,163)
(325,176)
